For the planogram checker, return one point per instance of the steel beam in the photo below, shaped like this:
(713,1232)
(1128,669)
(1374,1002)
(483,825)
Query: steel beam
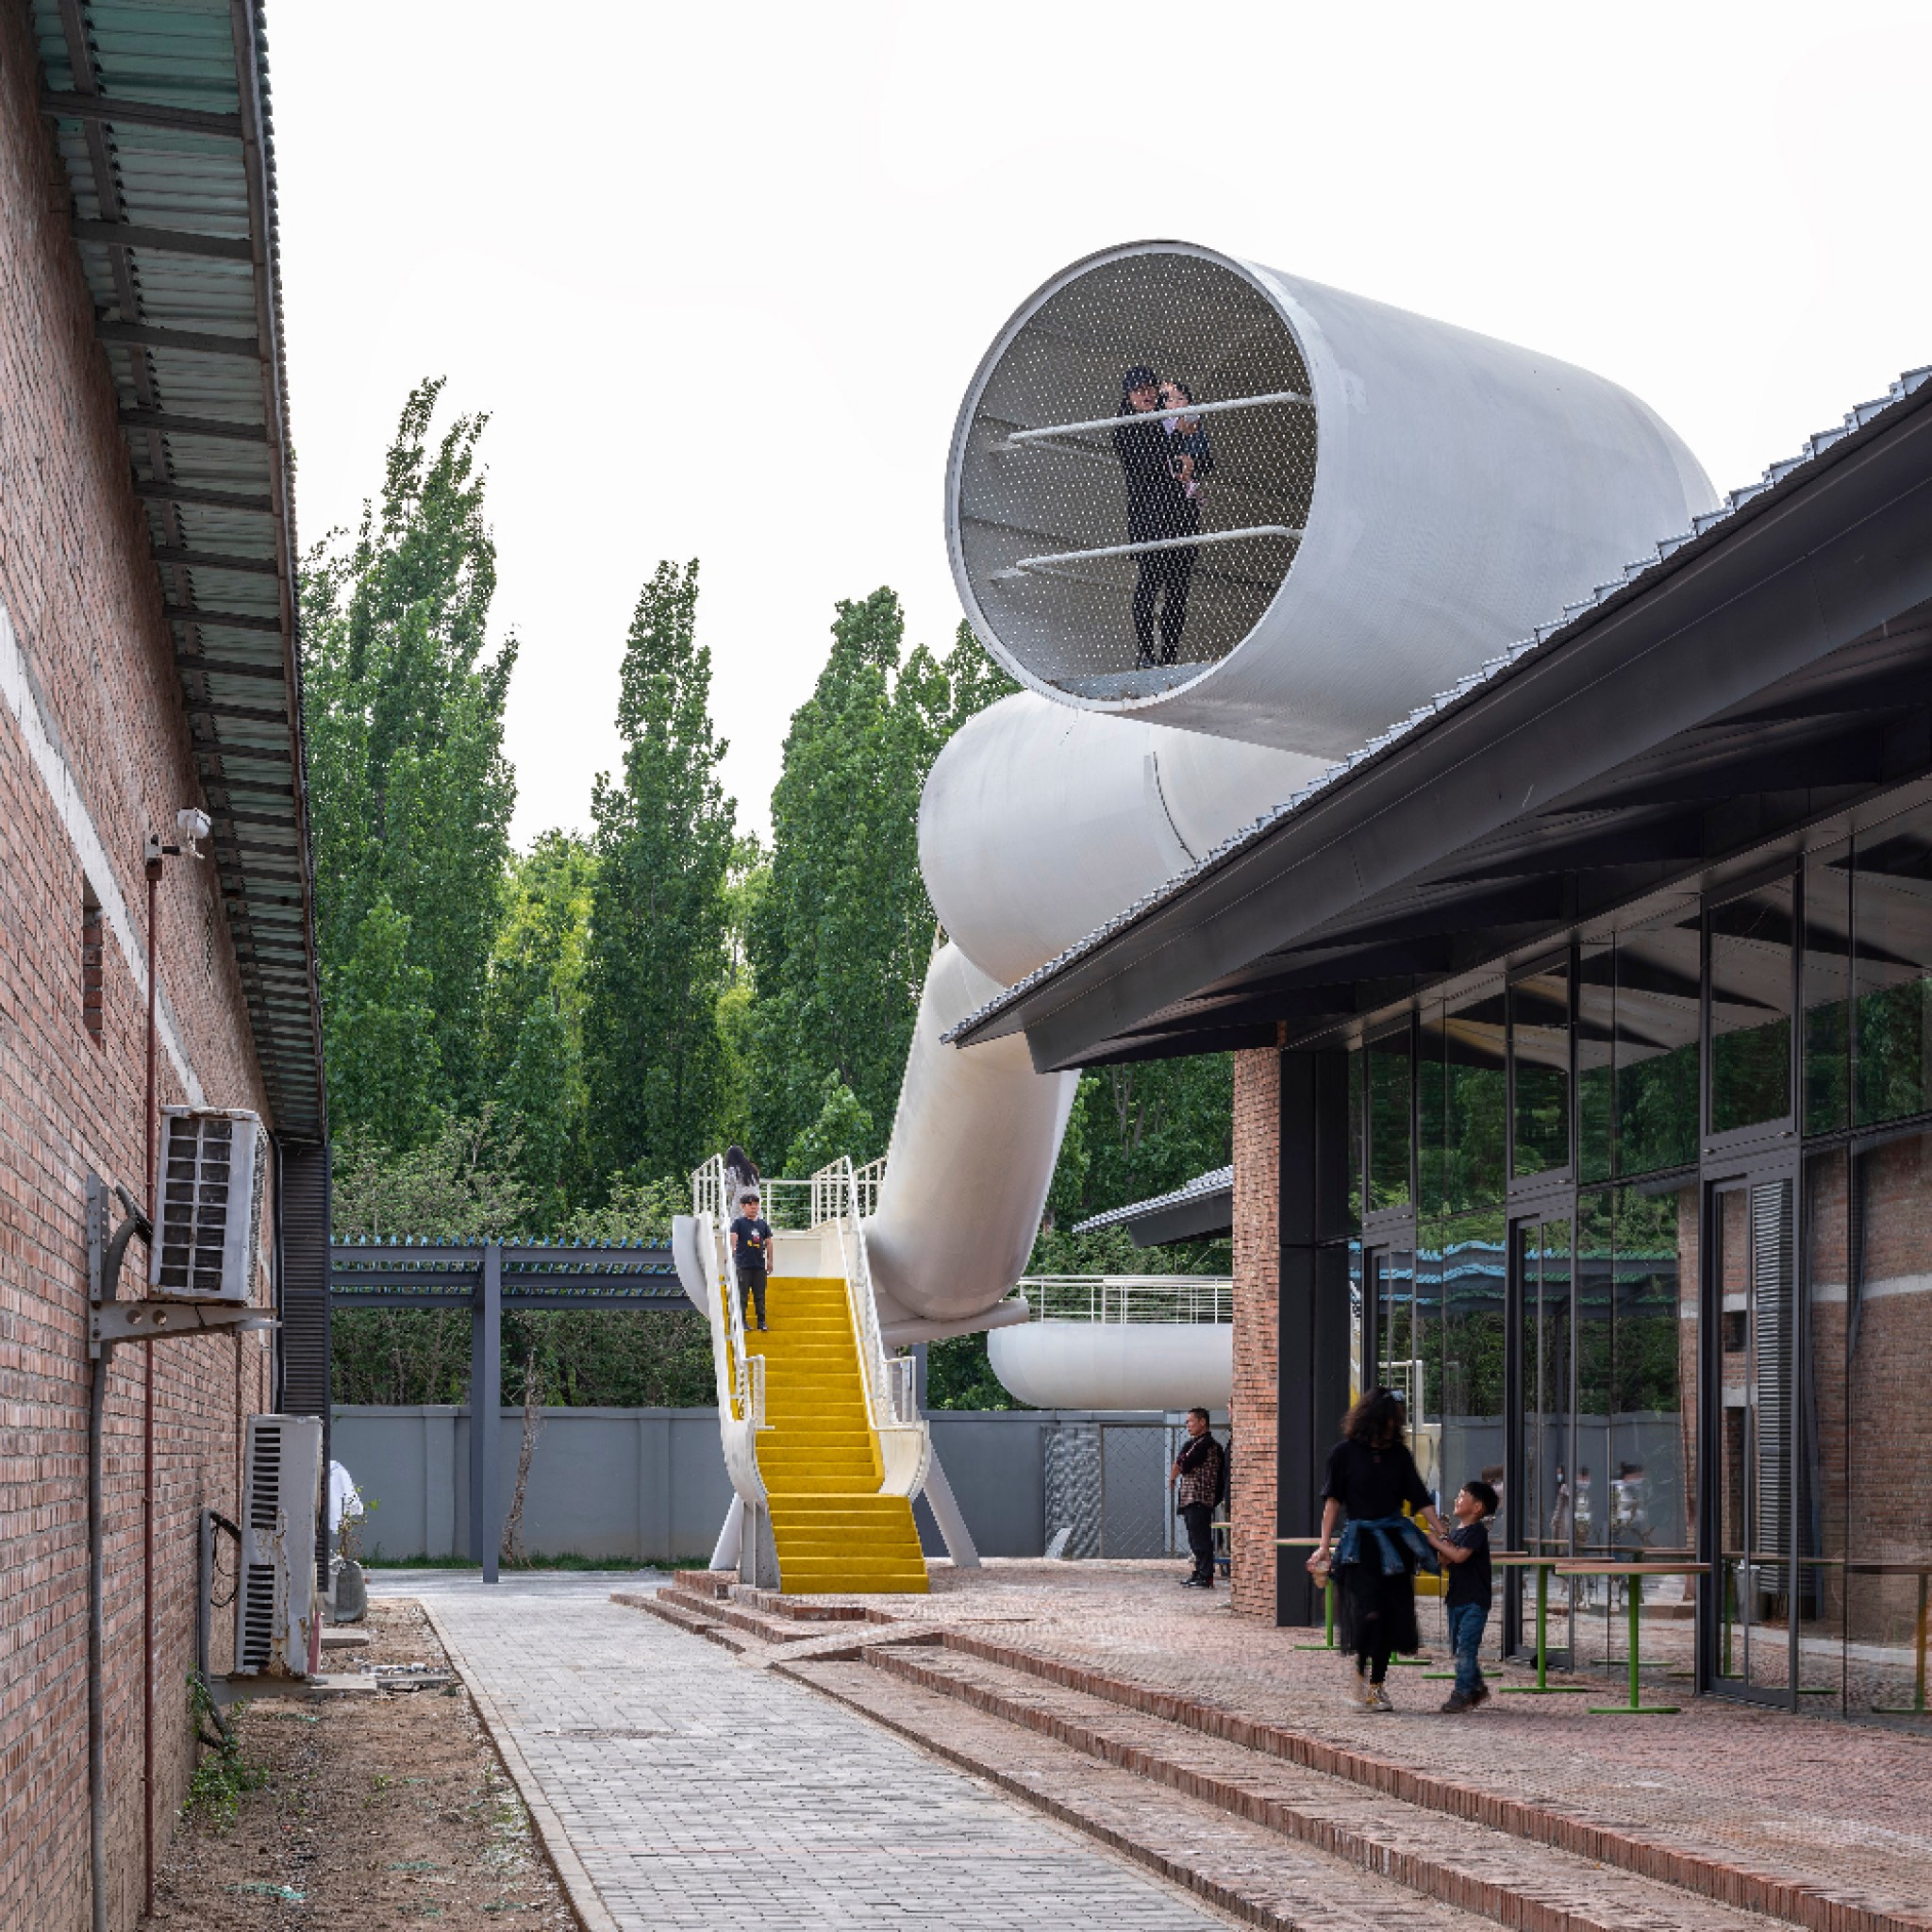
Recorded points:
(105,107)
(219,620)
(164,241)
(207,560)
(198,342)
(218,427)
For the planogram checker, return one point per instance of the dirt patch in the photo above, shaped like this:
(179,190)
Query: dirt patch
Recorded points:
(381,1810)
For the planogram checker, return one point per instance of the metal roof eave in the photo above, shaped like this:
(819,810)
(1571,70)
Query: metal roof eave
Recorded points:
(160,119)
(1792,571)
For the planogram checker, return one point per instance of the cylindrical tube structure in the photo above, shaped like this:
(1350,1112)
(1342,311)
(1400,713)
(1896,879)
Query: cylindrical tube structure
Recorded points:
(1039,823)
(1341,510)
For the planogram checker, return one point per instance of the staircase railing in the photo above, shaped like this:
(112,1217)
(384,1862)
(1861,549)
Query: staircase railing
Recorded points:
(745,1372)
(890,1387)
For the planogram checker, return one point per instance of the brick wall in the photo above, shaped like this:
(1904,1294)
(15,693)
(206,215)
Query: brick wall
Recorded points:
(1257,1325)
(80,590)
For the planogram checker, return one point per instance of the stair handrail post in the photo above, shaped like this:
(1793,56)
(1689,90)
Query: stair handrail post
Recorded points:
(840,1192)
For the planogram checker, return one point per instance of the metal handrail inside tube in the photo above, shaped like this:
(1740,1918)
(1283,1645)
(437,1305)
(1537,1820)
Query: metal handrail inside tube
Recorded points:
(1282,395)
(1128,1298)
(1198,541)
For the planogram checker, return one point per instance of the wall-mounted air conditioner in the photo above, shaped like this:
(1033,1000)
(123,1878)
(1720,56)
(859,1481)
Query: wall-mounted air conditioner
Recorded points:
(214,1166)
(277,1621)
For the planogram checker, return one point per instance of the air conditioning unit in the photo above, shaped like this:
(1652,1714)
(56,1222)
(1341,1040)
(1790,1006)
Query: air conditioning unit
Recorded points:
(277,1619)
(214,1166)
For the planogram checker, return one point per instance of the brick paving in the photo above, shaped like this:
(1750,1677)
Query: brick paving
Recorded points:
(1821,1821)
(698,1793)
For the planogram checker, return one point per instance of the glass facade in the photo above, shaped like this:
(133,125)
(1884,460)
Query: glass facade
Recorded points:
(1642,1232)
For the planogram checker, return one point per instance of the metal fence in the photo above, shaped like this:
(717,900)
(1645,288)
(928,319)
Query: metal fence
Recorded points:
(1128,1297)
(1106,1486)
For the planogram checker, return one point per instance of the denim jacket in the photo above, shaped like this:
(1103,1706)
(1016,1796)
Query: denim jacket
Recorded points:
(1395,1540)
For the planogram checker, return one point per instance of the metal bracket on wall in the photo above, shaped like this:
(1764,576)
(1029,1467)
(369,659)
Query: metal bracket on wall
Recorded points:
(153,1319)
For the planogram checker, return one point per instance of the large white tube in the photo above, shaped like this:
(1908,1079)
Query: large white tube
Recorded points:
(1036,823)
(1431,496)
(1424,496)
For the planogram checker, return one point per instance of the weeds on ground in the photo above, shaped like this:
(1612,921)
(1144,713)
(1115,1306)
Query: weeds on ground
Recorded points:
(215,1791)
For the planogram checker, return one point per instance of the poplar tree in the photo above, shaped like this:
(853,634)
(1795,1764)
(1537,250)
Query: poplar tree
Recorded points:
(658,956)
(841,938)
(409,791)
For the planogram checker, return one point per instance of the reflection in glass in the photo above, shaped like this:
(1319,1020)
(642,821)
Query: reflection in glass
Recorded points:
(1889,1425)
(1409,1347)
(1595,1335)
(1462,1103)
(1751,1008)
(1390,1083)
(1827,990)
(1355,1138)
(1758,1441)
(1544,1447)
(1821,1469)
(1656,1053)
(1596,1098)
(1540,1044)
(1893,1014)
(1473,1296)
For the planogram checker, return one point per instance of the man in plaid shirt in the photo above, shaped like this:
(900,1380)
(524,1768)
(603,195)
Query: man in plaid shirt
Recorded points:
(1200,1468)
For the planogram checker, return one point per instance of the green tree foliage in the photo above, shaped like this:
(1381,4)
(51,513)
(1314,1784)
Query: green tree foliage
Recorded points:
(658,962)
(411,793)
(840,938)
(534,1016)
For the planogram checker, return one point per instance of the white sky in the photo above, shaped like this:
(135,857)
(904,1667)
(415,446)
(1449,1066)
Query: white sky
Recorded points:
(638,235)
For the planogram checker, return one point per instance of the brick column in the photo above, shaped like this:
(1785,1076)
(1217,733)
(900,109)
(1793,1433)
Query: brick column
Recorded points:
(1257,1325)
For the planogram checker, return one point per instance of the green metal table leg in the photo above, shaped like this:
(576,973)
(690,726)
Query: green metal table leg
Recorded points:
(1327,1641)
(1637,1708)
(1542,1687)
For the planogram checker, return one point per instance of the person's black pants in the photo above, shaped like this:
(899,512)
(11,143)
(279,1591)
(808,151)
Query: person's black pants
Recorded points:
(1199,1518)
(751,1287)
(1165,575)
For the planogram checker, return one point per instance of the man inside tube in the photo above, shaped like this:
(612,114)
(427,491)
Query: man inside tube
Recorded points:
(1164,459)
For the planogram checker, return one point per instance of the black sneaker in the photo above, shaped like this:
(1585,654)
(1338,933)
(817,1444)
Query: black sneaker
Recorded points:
(1479,1695)
(1457,1701)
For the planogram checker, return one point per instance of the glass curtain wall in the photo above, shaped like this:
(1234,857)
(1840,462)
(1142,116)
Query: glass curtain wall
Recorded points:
(1523,1188)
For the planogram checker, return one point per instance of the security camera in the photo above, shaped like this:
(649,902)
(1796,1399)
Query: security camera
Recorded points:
(193,824)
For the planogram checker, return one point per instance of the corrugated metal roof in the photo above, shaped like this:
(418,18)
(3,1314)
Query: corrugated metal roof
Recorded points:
(1672,553)
(159,114)
(1218,1180)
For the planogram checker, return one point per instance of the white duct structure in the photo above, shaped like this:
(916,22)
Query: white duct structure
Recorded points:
(1391,502)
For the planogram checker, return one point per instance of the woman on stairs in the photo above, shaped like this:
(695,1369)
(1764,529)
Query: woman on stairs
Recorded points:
(1371,1476)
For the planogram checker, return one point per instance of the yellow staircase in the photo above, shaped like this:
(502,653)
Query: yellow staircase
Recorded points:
(818,1456)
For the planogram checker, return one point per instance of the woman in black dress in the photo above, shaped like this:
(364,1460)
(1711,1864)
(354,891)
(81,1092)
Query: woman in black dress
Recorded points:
(1371,1476)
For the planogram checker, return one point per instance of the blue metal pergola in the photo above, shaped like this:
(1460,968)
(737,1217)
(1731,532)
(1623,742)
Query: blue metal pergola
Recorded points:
(486,1276)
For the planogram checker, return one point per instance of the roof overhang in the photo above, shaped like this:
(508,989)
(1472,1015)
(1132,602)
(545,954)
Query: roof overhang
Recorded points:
(1205,1207)
(159,117)
(1759,679)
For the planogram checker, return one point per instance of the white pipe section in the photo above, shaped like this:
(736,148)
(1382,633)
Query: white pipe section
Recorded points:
(1173,415)
(1165,1365)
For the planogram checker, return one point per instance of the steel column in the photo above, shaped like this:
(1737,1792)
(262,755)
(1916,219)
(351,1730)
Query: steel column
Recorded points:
(486,1404)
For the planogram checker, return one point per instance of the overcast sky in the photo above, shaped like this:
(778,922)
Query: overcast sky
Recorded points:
(719,275)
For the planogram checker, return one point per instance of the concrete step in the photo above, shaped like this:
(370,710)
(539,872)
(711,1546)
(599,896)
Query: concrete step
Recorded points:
(1246,1870)
(1511,1880)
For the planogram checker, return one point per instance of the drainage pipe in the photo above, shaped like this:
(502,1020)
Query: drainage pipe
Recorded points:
(97,1726)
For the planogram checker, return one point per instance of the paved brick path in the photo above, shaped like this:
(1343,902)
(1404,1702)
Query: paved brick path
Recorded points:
(1847,1807)
(697,1793)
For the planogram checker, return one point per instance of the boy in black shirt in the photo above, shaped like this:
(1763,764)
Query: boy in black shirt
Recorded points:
(750,1249)
(1466,1550)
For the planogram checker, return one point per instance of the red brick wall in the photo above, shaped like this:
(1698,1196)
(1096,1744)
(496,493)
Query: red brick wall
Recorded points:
(82,594)
(1257,1325)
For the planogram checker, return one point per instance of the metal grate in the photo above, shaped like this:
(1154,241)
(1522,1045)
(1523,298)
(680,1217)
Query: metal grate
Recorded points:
(214,1172)
(1088,559)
